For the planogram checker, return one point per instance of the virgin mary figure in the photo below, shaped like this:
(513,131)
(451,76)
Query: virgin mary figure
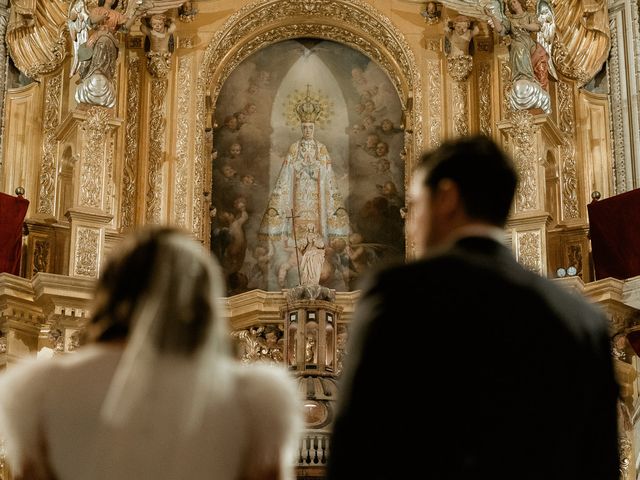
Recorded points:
(306,186)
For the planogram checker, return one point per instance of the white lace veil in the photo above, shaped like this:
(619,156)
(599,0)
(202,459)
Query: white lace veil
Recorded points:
(182,297)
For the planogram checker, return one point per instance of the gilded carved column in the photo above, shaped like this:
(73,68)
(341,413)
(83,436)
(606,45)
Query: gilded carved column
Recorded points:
(180,194)
(157,126)
(523,141)
(484,84)
(624,84)
(433,75)
(569,194)
(48,162)
(91,212)
(528,222)
(459,68)
(4,18)
(132,134)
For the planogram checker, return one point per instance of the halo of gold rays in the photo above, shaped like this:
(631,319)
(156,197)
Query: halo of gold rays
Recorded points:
(316,96)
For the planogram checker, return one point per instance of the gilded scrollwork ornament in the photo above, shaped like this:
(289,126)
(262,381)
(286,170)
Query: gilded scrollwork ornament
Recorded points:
(3,66)
(460,108)
(434,84)
(619,345)
(530,251)
(157,127)
(459,67)
(182,141)
(51,120)
(260,344)
(484,82)
(92,171)
(620,124)
(159,64)
(87,252)
(342,343)
(40,256)
(56,338)
(505,78)
(523,138)
(130,171)
(625,443)
(570,209)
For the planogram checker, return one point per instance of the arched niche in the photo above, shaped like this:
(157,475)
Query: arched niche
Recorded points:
(258,25)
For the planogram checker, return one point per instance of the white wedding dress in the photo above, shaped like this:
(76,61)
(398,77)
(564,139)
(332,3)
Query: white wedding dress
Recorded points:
(249,423)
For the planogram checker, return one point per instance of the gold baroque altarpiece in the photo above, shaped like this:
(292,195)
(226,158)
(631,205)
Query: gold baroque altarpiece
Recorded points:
(148,159)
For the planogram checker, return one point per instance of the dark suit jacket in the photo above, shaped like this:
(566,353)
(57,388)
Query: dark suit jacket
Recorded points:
(467,366)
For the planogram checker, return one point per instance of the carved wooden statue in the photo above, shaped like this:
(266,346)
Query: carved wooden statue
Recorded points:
(459,37)
(159,43)
(95,58)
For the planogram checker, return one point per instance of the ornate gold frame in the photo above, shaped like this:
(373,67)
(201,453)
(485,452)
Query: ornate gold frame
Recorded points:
(351,22)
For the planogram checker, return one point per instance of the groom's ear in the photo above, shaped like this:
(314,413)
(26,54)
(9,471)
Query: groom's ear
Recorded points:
(446,200)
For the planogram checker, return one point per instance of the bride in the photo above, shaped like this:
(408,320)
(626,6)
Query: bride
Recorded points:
(156,395)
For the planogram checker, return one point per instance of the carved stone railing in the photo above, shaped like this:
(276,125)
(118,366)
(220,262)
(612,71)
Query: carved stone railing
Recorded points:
(314,449)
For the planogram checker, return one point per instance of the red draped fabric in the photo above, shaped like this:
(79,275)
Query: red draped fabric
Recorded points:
(12,212)
(615,235)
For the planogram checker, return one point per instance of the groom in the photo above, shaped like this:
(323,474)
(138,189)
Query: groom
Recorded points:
(463,364)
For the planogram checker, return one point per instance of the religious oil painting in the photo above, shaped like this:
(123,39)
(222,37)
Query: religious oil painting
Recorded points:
(308,168)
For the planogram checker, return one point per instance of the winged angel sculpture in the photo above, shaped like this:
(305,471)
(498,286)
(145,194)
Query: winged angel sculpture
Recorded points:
(95,46)
(531,59)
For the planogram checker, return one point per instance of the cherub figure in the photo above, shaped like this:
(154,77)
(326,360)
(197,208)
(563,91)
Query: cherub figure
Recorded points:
(187,12)
(431,13)
(159,31)
(272,344)
(159,43)
(458,35)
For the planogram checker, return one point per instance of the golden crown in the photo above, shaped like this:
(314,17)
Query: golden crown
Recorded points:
(307,110)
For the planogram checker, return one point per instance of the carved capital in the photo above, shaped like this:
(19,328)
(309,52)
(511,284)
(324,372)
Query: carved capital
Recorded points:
(159,64)
(459,67)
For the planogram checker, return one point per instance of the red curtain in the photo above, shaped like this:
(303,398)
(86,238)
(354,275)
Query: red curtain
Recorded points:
(12,212)
(614,225)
